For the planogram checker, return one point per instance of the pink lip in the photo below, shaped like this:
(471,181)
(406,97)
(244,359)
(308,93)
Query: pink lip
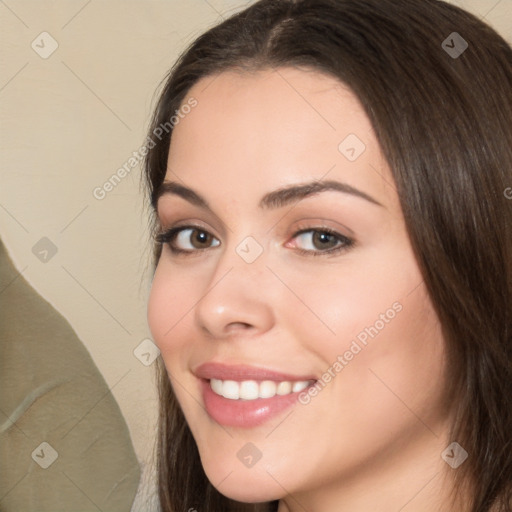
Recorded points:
(242,372)
(243,413)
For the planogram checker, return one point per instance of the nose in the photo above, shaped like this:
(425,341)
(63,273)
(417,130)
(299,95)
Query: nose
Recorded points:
(237,300)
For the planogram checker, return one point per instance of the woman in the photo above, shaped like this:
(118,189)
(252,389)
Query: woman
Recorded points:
(332,292)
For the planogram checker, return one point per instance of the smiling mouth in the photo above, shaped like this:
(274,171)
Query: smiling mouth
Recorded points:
(247,396)
(253,390)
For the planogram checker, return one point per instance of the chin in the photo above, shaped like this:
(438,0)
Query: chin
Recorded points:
(247,485)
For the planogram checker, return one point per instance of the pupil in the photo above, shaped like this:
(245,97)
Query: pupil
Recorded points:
(323,238)
(201,237)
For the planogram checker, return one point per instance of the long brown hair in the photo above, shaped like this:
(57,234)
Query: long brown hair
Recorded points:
(444,123)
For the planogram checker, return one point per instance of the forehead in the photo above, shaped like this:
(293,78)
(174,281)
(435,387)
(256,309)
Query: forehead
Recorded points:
(272,127)
(296,104)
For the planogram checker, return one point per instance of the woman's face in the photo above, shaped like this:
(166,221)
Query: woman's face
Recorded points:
(297,285)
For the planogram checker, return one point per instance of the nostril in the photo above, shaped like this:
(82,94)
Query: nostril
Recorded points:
(238,325)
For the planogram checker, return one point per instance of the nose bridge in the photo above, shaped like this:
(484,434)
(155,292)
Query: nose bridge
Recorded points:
(237,293)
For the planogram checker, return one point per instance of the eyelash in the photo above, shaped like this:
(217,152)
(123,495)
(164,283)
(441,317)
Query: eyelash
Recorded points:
(168,237)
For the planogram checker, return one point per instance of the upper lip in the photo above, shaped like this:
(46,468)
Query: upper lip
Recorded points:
(240,372)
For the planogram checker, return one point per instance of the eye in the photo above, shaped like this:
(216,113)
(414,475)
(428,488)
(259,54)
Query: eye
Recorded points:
(320,241)
(310,242)
(187,239)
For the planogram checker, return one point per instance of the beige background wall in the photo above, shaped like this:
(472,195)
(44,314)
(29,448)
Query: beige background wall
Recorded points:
(68,122)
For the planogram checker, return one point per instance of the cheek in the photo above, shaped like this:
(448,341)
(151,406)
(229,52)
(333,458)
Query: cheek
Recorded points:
(357,299)
(169,305)
(393,372)
(374,331)
(409,358)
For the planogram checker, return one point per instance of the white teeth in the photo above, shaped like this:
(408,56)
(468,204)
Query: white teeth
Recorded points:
(299,386)
(284,388)
(251,389)
(267,389)
(216,385)
(231,389)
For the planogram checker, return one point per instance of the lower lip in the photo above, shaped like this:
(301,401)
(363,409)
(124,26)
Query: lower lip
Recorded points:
(244,413)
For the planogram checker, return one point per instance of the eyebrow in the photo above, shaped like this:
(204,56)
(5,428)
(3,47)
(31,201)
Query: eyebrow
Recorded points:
(272,200)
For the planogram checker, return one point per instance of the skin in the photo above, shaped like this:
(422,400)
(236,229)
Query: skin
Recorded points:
(372,438)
